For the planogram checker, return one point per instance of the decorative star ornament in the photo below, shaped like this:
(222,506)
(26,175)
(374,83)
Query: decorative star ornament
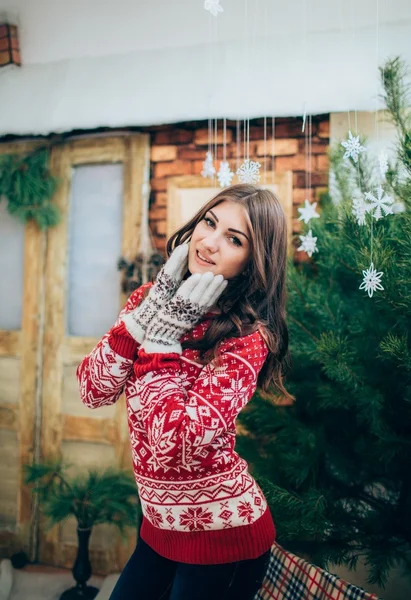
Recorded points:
(213,6)
(225,174)
(308,212)
(208,166)
(249,171)
(381,203)
(309,243)
(359,209)
(371,281)
(353,147)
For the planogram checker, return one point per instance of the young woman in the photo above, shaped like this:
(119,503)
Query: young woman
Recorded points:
(189,352)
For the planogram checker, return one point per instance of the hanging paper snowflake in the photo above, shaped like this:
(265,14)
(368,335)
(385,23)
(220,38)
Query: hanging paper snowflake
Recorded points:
(309,243)
(308,212)
(383,162)
(213,6)
(359,209)
(249,171)
(380,203)
(371,281)
(353,147)
(208,166)
(225,174)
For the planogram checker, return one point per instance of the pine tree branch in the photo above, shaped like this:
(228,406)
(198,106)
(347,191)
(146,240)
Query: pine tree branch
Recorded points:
(311,335)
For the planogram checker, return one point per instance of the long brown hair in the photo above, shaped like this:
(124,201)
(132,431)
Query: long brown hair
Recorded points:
(256,298)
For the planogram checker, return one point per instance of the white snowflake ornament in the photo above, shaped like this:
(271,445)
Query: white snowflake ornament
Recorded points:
(371,281)
(383,162)
(225,174)
(213,6)
(380,203)
(249,171)
(308,212)
(359,209)
(208,166)
(353,147)
(309,243)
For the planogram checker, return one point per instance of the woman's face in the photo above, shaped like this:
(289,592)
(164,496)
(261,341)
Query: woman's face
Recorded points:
(221,241)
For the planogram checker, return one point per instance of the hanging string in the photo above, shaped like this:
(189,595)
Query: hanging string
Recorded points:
(224,140)
(245,140)
(273,149)
(265,149)
(238,143)
(215,151)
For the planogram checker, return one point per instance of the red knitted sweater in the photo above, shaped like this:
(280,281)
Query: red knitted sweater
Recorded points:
(200,504)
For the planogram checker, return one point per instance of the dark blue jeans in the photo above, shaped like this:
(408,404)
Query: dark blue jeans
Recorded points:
(149,576)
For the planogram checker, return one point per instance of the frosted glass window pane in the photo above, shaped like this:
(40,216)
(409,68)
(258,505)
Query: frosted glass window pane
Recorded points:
(11,269)
(95,231)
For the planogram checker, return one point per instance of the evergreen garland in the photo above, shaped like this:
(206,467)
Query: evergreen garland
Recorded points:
(27,186)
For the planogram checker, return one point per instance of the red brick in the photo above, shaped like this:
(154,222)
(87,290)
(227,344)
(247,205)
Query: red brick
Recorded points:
(283,147)
(159,185)
(323,163)
(177,167)
(317,179)
(158,213)
(160,199)
(176,136)
(291,163)
(319,147)
(324,129)
(301,194)
(160,227)
(297,226)
(163,153)
(191,153)
(291,128)
(201,137)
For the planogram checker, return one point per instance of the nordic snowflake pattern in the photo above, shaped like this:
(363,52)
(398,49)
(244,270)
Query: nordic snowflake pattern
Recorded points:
(353,147)
(249,171)
(371,281)
(208,166)
(383,162)
(308,212)
(225,174)
(359,209)
(381,203)
(213,6)
(309,243)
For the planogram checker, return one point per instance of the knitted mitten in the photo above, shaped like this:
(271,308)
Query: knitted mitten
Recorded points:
(164,288)
(193,299)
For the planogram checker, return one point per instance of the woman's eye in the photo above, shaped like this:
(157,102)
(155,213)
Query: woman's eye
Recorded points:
(235,240)
(209,222)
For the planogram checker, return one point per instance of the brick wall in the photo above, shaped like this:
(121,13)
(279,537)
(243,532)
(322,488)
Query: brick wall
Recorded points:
(180,150)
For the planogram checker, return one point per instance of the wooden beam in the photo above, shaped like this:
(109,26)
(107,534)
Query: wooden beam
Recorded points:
(9,417)
(89,429)
(10,343)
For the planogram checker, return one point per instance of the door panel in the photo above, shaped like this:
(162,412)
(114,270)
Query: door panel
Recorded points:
(104,181)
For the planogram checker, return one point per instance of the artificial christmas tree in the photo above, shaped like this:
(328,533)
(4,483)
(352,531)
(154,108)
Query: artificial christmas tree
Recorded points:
(335,466)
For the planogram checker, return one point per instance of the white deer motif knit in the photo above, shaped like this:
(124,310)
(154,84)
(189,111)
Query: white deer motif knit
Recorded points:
(200,504)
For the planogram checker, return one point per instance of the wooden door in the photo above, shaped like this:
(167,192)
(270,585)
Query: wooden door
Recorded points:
(22,257)
(101,184)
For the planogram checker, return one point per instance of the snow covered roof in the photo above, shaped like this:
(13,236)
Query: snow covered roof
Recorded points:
(91,63)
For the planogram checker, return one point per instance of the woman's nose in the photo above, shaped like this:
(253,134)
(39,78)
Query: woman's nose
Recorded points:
(210,243)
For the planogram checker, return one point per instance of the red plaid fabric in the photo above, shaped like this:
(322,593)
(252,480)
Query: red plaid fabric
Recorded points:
(292,578)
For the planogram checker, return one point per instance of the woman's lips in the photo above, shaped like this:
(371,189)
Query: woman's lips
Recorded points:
(202,262)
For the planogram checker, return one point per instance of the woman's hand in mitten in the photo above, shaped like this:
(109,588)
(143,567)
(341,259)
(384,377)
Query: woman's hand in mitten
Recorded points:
(164,288)
(193,299)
